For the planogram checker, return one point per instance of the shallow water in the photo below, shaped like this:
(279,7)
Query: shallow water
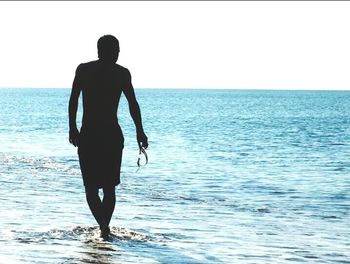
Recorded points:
(233,177)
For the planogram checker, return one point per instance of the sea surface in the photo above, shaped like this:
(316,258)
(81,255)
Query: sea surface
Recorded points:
(234,176)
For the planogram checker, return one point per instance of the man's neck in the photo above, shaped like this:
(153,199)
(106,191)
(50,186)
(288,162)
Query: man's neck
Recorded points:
(107,61)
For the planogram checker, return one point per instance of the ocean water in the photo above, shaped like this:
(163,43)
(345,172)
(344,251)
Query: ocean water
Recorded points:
(233,177)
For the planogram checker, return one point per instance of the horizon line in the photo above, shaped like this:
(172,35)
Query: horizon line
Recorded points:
(191,88)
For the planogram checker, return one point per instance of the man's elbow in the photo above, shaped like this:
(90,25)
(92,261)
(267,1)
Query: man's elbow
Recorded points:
(133,105)
(73,103)
(73,99)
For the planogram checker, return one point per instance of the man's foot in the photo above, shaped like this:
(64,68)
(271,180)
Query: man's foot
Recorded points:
(105,231)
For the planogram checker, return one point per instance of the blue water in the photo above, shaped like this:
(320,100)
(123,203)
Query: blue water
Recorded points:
(233,177)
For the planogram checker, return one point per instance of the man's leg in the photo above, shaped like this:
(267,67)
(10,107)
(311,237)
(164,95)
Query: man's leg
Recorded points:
(108,203)
(95,205)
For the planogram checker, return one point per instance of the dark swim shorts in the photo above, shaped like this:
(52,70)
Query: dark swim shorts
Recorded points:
(100,155)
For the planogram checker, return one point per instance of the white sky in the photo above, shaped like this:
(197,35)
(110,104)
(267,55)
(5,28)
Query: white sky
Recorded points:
(259,45)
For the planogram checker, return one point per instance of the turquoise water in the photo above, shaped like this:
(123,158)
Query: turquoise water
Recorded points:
(233,177)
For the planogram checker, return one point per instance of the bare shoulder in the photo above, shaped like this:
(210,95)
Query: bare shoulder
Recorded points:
(85,66)
(123,70)
(88,65)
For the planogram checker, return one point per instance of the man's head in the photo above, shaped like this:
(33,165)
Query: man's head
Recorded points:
(108,48)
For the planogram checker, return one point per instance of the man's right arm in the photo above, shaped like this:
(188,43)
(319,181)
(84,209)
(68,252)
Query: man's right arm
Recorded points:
(73,107)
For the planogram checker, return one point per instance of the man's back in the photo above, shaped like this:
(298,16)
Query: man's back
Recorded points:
(101,84)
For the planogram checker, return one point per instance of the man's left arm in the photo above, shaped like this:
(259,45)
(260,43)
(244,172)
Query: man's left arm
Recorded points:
(135,112)
(73,107)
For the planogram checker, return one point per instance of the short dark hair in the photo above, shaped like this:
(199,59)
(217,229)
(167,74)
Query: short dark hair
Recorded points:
(107,45)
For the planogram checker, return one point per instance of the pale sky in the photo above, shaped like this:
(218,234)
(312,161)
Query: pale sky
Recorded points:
(238,45)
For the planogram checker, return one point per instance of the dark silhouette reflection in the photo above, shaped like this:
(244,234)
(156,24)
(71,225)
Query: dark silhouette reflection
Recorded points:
(100,141)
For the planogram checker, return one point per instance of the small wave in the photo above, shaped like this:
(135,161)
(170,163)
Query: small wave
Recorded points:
(341,169)
(40,164)
(263,210)
(90,234)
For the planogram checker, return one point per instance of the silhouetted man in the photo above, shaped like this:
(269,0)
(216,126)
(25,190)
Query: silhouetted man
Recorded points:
(100,141)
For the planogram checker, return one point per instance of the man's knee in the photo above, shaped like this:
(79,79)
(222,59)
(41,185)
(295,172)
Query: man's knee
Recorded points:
(109,191)
(91,192)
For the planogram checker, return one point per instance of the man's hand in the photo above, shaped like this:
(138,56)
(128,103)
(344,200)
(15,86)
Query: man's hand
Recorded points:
(73,137)
(142,140)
